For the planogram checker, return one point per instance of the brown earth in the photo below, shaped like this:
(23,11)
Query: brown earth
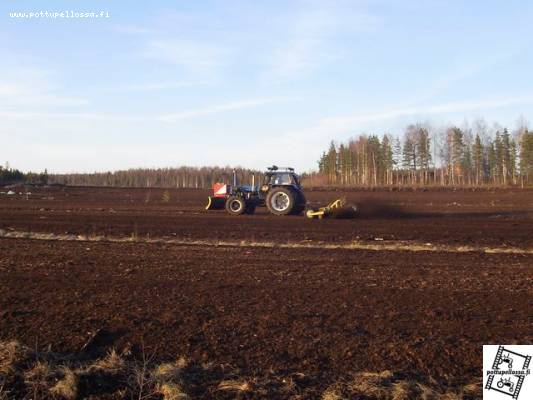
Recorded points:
(484,218)
(320,314)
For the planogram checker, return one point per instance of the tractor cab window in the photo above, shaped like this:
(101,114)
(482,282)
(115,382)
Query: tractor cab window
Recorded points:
(281,179)
(285,179)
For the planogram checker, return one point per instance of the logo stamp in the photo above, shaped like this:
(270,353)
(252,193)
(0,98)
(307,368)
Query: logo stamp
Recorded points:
(506,372)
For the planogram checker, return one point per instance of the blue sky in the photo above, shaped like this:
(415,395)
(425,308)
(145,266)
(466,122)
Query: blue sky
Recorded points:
(250,83)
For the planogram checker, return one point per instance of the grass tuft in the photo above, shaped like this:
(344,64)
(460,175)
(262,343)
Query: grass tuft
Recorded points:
(170,371)
(66,387)
(331,394)
(171,391)
(10,353)
(234,385)
(113,363)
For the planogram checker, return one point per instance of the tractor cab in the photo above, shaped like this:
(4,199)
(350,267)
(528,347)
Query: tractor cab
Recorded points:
(280,177)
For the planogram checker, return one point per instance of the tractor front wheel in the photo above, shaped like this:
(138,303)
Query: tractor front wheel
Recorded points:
(235,205)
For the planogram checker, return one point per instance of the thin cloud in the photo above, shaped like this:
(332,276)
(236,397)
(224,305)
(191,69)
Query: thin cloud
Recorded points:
(133,29)
(34,91)
(459,106)
(214,109)
(191,55)
(36,117)
(467,69)
(21,97)
(311,40)
(159,86)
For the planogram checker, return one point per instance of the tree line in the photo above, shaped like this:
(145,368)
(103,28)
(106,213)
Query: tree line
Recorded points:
(453,156)
(12,175)
(180,177)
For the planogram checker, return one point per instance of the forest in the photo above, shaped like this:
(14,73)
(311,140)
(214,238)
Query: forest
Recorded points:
(180,177)
(12,175)
(421,155)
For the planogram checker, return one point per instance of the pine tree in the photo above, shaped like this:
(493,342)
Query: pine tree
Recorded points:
(424,151)
(375,159)
(409,153)
(331,163)
(498,158)
(456,152)
(492,162)
(388,158)
(506,156)
(526,156)
(322,163)
(466,164)
(477,156)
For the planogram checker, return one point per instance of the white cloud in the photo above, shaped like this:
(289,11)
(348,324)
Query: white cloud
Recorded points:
(20,95)
(311,39)
(193,56)
(24,84)
(235,105)
(344,122)
(37,117)
(169,117)
(466,67)
(158,86)
(133,29)
(29,89)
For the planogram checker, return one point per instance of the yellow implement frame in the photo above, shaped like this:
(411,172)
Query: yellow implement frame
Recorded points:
(324,211)
(215,203)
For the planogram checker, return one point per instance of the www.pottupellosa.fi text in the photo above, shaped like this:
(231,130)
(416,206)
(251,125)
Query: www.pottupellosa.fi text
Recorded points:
(60,14)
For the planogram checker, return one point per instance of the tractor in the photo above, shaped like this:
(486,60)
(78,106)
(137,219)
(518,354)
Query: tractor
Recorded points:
(506,382)
(506,359)
(280,192)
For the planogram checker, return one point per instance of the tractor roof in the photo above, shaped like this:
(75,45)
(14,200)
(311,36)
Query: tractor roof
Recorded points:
(276,169)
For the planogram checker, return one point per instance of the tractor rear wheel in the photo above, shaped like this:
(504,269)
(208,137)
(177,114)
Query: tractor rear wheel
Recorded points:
(281,201)
(235,205)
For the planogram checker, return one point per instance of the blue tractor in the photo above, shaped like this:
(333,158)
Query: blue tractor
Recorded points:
(280,191)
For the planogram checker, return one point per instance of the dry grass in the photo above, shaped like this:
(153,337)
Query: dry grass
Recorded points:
(235,385)
(385,385)
(171,391)
(331,394)
(46,375)
(66,387)
(4,394)
(355,245)
(38,379)
(9,355)
(170,371)
(169,381)
(113,363)
(473,389)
